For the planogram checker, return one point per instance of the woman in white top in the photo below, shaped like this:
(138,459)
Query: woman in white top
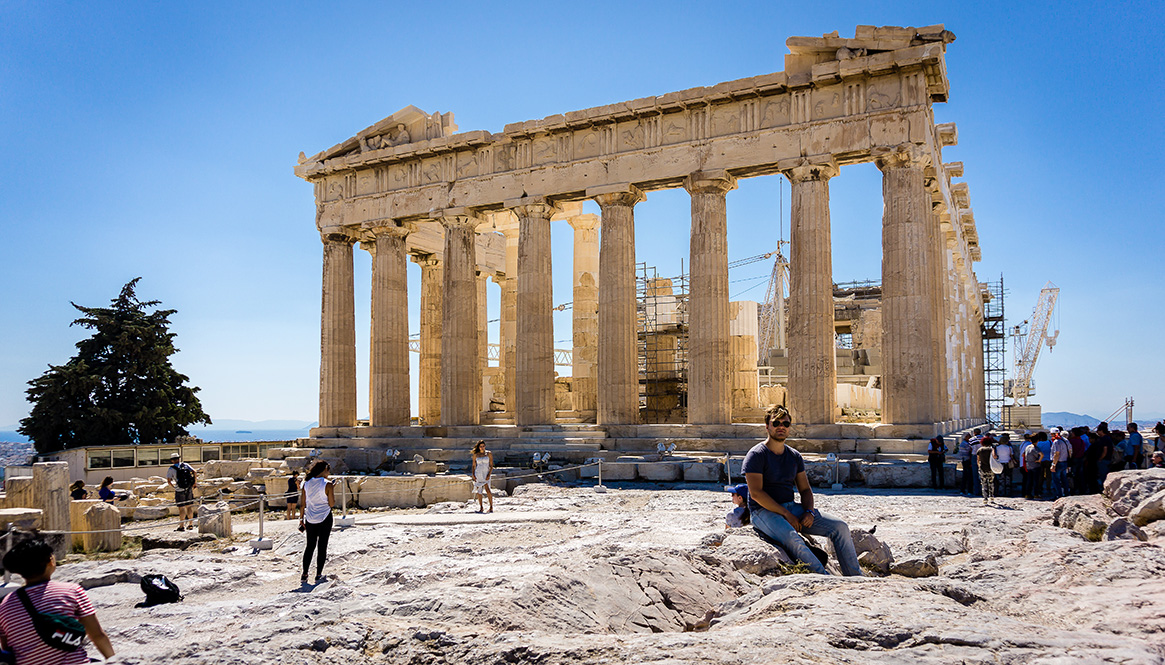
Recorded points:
(481,468)
(316,498)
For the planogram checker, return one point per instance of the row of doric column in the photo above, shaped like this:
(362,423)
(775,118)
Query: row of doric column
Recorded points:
(929,323)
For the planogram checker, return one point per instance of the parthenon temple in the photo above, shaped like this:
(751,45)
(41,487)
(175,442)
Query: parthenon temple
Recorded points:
(474,206)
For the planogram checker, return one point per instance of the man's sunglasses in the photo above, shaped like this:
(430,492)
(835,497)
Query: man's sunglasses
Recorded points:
(781,423)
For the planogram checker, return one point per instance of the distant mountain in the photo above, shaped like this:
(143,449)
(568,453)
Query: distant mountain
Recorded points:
(235,425)
(1067,419)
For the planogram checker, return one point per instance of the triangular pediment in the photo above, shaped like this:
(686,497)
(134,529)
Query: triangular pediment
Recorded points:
(408,125)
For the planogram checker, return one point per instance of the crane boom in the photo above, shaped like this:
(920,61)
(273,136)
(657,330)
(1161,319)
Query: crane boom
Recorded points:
(1029,350)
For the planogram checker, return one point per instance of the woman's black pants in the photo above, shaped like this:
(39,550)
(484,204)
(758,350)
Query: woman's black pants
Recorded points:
(317,540)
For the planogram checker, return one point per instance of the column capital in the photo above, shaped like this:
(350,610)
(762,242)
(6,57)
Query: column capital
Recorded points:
(616,195)
(904,155)
(459,218)
(709,182)
(533,206)
(388,227)
(803,170)
(425,260)
(337,235)
(583,222)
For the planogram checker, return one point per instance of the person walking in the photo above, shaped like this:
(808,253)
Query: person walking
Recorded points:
(937,456)
(77,491)
(481,468)
(317,496)
(33,559)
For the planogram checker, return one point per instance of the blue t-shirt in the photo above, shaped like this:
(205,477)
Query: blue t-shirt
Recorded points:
(106,494)
(779,471)
(1045,447)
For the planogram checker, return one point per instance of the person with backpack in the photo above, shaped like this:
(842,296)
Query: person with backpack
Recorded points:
(46,621)
(183,478)
(316,499)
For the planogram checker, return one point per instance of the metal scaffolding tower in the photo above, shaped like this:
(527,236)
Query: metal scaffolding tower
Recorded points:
(662,314)
(994,350)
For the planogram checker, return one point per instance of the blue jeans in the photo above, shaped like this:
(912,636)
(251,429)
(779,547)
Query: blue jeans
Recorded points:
(1060,480)
(779,529)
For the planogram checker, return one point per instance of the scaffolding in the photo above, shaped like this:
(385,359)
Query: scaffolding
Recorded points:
(662,316)
(994,350)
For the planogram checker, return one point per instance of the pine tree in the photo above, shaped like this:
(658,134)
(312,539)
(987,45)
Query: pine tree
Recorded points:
(120,388)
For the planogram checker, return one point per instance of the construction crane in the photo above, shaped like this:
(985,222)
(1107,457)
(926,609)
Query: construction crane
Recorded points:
(1028,345)
(772,318)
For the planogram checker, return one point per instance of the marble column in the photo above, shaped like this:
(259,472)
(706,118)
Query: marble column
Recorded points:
(618,398)
(811,340)
(429,379)
(508,328)
(482,337)
(908,382)
(460,380)
(940,322)
(338,333)
(585,311)
(388,382)
(979,407)
(709,361)
(534,403)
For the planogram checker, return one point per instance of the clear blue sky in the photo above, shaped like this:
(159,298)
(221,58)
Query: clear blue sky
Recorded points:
(158,140)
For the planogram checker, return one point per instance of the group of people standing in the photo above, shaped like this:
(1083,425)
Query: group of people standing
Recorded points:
(1051,464)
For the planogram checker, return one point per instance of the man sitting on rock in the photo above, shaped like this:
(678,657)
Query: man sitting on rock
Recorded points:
(772,470)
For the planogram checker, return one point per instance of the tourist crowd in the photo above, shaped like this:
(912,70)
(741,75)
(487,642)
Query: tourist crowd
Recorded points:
(1046,464)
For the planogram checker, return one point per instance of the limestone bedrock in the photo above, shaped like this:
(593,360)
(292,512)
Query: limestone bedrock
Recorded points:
(641,574)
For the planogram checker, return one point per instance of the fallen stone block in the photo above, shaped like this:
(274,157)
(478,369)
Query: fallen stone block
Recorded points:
(895,474)
(104,518)
(1149,510)
(916,567)
(150,512)
(389,491)
(174,540)
(439,489)
(702,472)
(27,518)
(215,519)
(659,471)
(425,467)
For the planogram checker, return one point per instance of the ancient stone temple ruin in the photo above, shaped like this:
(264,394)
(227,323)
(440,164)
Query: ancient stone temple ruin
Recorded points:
(474,206)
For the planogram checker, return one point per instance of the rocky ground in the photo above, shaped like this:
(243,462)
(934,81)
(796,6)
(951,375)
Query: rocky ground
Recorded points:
(647,573)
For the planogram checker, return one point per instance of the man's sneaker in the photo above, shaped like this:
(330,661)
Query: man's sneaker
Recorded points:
(180,528)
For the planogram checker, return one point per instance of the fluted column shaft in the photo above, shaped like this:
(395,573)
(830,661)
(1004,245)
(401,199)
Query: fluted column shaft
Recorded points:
(429,380)
(388,382)
(482,337)
(618,398)
(942,410)
(585,312)
(908,311)
(812,354)
(460,380)
(709,360)
(508,328)
(338,334)
(534,403)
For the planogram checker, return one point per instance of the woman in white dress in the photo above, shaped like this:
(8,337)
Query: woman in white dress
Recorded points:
(481,468)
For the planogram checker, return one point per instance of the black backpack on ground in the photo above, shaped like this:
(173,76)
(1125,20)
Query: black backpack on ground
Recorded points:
(159,590)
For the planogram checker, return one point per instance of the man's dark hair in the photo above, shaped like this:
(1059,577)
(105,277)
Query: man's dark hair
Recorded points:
(978,431)
(1133,426)
(28,558)
(778,412)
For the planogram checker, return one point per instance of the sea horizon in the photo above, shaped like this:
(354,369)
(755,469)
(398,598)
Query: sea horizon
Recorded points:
(209,435)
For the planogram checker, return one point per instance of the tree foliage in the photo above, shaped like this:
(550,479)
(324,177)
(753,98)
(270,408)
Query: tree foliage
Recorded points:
(120,388)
